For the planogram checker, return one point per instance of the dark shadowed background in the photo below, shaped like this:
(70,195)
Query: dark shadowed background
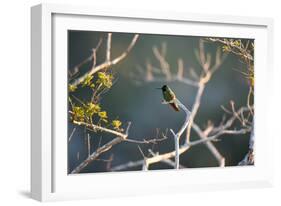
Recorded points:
(141,103)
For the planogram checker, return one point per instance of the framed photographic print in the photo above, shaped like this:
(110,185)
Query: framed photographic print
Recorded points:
(138,102)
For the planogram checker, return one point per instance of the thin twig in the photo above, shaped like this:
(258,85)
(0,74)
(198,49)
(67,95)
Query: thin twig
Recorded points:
(96,154)
(106,64)
(211,147)
(120,138)
(108,49)
(194,110)
(177,149)
(72,133)
(147,141)
(140,163)
(239,51)
(88,59)
(127,165)
(163,63)
(89,145)
(99,128)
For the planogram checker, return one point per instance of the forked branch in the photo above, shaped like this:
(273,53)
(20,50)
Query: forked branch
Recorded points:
(108,63)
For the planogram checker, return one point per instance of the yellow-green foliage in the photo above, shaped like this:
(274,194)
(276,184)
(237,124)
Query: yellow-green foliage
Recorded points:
(89,110)
(226,48)
(88,81)
(116,124)
(103,116)
(244,52)
(78,113)
(92,109)
(72,88)
(105,79)
(237,43)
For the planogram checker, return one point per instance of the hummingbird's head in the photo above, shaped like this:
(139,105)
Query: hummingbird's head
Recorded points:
(164,88)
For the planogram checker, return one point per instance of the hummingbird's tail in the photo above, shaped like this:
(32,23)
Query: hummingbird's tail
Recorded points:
(175,106)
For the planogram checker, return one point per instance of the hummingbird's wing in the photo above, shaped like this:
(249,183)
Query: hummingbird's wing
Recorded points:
(173,104)
(171,94)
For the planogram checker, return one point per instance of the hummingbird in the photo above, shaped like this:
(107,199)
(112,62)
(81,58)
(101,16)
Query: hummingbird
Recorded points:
(169,97)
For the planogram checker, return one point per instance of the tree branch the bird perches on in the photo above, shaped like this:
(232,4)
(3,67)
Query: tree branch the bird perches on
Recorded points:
(218,132)
(180,132)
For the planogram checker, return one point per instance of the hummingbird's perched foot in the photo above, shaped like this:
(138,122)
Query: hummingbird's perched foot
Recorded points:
(165,102)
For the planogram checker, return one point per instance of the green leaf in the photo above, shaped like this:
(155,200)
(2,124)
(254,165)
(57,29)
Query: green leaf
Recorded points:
(92,109)
(102,115)
(226,48)
(116,124)
(78,113)
(87,81)
(105,79)
(72,88)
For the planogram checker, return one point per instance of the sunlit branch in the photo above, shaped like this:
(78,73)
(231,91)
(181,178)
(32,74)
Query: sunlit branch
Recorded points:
(220,132)
(179,133)
(92,57)
(106,64)
(120,137)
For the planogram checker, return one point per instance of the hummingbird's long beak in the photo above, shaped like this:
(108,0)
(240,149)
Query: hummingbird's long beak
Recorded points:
(158,88)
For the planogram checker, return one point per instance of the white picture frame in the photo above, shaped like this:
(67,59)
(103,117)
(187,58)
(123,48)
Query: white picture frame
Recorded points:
(49,179)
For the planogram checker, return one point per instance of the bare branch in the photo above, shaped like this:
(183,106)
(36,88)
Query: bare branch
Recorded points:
(92,57)
(249,157)
(167,161)
(108,49)
(127,165)
(147,141)
(222,130)
(96,154)
(238,50)
(180,69)
(164,69)
(72,133)
(249,99)
(120,137)
(144,164)
(187,118)
(211,147)
(104,65)
(172,79)
(163,63)
(89,144)
(177,148)
(178,134)
(149,75)
(103,129)
(194,110)
(214,137)
(205,77)
(140,162)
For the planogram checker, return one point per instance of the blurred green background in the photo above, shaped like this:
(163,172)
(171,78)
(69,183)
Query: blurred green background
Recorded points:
(141,103)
